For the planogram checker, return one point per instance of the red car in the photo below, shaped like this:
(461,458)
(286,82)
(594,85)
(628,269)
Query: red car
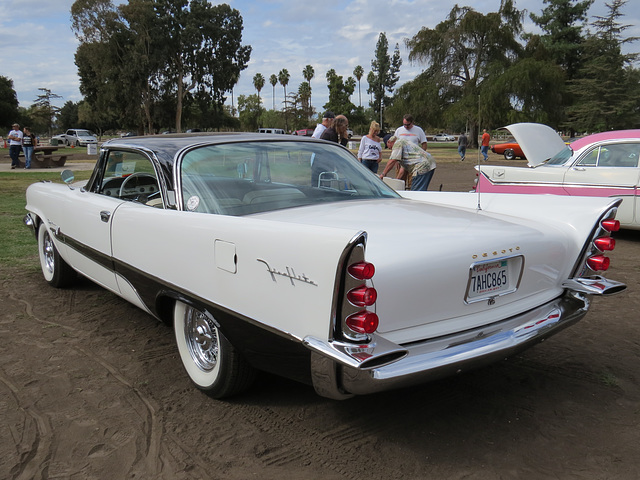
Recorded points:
(305,132)
(510,150)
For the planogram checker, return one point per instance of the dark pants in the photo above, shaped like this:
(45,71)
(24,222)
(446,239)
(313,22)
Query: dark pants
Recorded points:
(371,165)
(421,182)
(14,152)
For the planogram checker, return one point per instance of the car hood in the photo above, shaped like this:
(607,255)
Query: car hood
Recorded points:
(538,142)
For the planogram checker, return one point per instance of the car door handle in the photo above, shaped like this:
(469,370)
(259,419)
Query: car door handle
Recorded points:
(105,216)
(579,169)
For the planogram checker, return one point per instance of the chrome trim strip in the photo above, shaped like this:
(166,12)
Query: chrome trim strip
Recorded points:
(378,351)
(439,357)
(338,290)
(595,285)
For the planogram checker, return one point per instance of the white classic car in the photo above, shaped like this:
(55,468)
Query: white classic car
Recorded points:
(284,254)
(75,136)
(599,165)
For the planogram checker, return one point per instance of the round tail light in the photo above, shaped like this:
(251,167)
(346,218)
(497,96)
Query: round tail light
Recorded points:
(611,225)
(598,262)
(605,243)
(363,296)
(363,322)
(362,270)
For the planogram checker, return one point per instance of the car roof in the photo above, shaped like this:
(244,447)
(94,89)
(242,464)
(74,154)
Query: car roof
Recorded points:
(599,137)
(166,146)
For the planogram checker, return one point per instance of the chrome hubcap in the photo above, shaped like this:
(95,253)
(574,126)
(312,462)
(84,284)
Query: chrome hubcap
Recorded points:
(201,335)
(47,250)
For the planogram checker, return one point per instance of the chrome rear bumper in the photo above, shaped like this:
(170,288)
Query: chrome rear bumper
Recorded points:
(339,372)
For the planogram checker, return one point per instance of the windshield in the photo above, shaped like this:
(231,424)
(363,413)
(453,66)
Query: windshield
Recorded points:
(256,177)
(561,157)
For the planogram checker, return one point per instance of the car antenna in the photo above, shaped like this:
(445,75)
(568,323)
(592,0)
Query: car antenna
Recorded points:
(479,207)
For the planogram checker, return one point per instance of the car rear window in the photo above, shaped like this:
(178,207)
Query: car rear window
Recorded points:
(254,177)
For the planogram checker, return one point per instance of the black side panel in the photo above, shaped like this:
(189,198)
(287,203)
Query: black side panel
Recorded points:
(266,349)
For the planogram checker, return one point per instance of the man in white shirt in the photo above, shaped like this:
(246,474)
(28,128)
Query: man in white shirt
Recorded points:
(411,132)
(327,118)
(15,145)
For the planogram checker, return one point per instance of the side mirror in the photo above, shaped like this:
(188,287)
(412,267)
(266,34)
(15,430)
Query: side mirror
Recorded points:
(67,177)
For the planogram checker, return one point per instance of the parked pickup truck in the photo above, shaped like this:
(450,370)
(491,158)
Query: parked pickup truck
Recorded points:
(75,136)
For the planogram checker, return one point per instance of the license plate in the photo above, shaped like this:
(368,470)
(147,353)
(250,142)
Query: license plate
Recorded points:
(490,279)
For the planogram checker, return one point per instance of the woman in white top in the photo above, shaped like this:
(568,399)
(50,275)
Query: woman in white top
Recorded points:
(370,153)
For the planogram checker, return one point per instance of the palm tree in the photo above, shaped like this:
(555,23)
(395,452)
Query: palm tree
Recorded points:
(358,72)
(308,74)
(304,94)
(283,78)
(273,80)
(258,82)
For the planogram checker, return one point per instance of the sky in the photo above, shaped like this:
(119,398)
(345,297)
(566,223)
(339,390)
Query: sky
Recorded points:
(37,45)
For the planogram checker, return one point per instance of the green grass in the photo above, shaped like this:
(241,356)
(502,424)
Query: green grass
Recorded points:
(18,246)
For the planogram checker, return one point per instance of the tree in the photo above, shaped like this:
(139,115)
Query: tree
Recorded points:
(202,47)
(606,84)
(68,116)
(562,21)
(384,76)
(249,111)
(44,109)
(339,93)
(258,83)
(466,54)
(308,73)
(304,97)
(358,72)
(8,103)
(115,60)
(283,78)
(273,80)
(147,52)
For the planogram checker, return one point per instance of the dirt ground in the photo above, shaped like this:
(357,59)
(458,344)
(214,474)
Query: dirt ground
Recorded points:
(93,388)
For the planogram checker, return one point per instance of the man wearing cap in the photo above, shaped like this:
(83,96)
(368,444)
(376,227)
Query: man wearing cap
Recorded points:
(418,164)
(327,118)
(15,145)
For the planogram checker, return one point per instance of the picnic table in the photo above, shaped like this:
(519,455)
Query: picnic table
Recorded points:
(43,157)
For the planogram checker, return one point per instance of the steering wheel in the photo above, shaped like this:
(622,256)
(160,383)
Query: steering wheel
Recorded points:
(133,175)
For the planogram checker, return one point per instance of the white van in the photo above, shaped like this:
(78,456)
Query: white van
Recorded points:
(271,130)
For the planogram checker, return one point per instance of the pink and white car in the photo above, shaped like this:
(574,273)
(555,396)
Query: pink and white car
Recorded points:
(599,165)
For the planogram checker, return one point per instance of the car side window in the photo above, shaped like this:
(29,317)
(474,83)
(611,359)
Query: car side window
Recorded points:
(619,155)
(130,176)
(623,155)
(591,159)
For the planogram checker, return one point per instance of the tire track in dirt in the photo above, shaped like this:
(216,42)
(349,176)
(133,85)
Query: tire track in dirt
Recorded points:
(153,425)
(33,459)
(333,450)
(36,442)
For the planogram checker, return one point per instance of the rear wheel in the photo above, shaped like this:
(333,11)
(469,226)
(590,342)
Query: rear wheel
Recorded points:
(212,363)
(509,154)
(55,270)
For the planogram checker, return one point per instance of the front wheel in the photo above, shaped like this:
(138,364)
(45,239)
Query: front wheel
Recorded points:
(55,270)
(212,363)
